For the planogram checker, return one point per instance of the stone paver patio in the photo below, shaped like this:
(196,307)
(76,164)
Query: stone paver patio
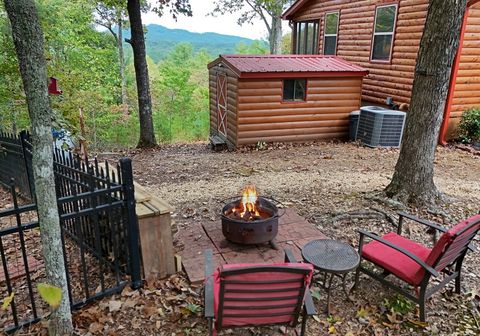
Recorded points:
(293,233)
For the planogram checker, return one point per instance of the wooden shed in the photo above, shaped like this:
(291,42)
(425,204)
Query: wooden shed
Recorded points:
(282,98)
(384,37)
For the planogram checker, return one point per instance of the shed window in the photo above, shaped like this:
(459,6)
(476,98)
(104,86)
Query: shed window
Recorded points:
(294,89)
(306,38)
(331,33)
(383,32)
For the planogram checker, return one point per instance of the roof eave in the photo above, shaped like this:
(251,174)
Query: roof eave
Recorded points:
(287,15)
(222,60)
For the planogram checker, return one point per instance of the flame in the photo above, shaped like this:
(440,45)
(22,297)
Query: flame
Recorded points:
(248,203)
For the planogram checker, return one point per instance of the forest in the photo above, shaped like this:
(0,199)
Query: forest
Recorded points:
(84,59)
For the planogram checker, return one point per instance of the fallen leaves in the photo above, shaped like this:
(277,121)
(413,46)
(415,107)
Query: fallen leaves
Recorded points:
(8,300)
(114,306)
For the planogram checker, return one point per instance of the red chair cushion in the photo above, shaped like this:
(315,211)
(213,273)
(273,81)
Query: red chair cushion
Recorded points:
(396,262)
(293,289)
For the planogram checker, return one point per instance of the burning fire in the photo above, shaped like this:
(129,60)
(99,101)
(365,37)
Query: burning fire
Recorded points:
(248,207)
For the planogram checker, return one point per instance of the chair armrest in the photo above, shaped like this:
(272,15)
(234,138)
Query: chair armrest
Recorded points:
(419,261)
(289,257)
(308,302)
(208,294)
(435,226)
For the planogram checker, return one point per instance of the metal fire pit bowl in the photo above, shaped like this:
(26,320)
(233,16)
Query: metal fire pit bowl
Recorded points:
(251,232)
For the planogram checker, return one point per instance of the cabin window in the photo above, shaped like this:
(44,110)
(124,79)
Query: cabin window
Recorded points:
(306,38)
(331,33)
(383,32)
(294,89)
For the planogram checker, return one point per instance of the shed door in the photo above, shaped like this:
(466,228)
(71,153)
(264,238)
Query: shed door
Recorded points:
(222,104)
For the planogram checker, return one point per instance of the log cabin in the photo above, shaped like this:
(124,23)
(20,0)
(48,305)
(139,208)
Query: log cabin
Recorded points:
(281,98)
(383,36)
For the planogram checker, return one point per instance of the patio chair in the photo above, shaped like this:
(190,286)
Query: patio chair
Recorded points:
(241,295)
(416,264)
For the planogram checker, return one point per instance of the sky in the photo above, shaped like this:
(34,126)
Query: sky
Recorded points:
(201,22)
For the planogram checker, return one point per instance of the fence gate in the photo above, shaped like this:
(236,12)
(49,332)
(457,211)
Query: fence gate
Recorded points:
(99,236)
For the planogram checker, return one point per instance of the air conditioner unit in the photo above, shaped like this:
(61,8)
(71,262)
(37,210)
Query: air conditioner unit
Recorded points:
(379,127)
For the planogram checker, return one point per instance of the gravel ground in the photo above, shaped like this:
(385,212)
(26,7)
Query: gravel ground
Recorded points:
(337,187)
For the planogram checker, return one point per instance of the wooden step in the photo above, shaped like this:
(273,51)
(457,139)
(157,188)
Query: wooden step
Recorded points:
(217,143)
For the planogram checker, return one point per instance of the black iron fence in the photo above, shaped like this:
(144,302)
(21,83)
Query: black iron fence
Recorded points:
(13,164)
(99,235)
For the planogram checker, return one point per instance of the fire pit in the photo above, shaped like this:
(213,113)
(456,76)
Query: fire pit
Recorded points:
(250,219)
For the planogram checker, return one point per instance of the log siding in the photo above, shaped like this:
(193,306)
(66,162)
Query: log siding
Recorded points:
(395,78)
(467,84)
(264,116)
(355,41)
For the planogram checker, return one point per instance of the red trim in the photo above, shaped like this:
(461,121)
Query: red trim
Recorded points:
(397,6)
(325,29)
(453,80)
(472,2)
(303,74)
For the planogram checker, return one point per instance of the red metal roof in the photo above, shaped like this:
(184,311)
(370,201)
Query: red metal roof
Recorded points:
(286,65)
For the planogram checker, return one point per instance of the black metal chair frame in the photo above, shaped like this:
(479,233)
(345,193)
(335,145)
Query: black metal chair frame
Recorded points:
(305,306)
(452,270)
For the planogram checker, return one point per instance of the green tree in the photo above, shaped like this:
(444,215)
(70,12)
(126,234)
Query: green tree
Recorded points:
(112,14)
(29,45)
(287,43)
(137,41)
(13,114)
(269,11)
(254,48)
(181,95)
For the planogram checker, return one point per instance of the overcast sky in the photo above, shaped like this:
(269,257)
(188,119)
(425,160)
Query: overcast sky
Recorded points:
(201,23)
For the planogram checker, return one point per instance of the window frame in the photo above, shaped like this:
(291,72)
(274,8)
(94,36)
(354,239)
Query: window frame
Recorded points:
(372,46)
(315,40)
(325,35)
(293,101)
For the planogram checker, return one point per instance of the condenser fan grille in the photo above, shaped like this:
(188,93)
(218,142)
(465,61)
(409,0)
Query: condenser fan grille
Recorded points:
(380,127)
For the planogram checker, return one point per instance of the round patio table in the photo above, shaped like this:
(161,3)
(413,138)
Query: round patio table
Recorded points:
(332,258)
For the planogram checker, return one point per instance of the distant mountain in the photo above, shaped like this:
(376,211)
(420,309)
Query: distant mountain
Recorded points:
(161,40)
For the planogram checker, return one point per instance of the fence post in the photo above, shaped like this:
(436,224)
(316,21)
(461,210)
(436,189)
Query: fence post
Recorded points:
(132,222)
(28,163)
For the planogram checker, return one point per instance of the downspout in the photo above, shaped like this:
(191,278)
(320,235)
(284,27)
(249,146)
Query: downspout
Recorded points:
(453,81)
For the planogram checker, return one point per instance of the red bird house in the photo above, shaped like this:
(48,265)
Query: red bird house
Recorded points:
(52,86)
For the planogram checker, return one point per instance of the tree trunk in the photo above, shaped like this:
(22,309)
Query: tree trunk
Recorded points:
(121,60)
(276,36)
(147,135)
(29,45)
(412,181)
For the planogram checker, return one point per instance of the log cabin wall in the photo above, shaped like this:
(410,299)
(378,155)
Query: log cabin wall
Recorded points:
(232,79)
(263,116)
(467,84)
(355,30)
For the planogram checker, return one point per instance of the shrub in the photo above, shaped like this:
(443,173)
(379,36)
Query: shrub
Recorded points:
(469,127)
